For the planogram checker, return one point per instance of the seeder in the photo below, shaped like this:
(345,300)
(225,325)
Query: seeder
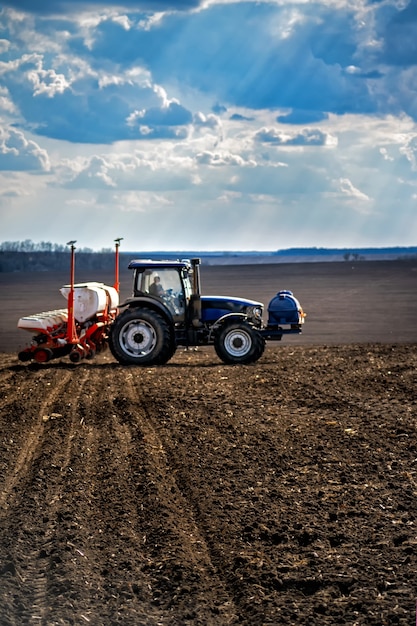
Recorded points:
(81,329)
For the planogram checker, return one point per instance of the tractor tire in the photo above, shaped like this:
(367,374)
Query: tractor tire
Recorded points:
(141,337)
(239,343)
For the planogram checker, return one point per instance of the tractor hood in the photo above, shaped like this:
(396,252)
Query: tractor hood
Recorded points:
(213,307)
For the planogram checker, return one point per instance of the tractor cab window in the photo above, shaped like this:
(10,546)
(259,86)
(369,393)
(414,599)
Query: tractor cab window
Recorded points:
(165,284)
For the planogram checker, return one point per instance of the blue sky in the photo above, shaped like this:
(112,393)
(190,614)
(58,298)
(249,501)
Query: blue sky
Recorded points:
(209,124)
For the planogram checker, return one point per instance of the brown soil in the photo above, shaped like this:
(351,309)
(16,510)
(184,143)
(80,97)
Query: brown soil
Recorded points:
(204,494)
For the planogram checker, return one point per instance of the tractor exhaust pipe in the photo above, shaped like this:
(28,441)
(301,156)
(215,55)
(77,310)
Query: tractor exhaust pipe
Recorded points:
(196,296)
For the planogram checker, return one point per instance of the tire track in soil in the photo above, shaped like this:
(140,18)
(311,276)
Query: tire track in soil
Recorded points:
(187,548)
(32,444)
(214,545)
(37,481)
(103,567)
(200,436)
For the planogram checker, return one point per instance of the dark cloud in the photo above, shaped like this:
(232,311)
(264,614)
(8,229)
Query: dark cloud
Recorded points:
(219,109)
(300,116)
(237,117)
(400,37)
(372,74)
(335,41)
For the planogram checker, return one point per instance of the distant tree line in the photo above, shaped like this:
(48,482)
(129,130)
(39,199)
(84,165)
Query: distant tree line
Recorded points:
(353,256)
(41,246)
(28,256)
(43,256)
(357,254)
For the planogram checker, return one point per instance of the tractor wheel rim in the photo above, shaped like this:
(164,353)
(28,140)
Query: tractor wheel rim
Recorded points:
(238,343)
(138,338)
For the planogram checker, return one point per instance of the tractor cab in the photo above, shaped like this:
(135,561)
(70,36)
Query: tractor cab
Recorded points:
(172,283)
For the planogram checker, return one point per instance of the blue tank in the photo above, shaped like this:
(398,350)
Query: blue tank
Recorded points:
(284,309)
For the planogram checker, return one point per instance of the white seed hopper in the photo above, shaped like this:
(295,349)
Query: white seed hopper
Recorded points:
(91,299)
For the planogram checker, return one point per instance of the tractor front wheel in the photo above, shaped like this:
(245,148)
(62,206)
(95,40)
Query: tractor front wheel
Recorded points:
(141,337)
(239,343)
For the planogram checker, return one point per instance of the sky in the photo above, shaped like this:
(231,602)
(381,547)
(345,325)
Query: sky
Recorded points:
(209,124)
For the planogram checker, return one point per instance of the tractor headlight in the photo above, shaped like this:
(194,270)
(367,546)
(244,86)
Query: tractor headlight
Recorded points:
(255,312)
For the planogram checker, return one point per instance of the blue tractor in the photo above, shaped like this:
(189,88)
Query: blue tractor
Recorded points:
(167,310)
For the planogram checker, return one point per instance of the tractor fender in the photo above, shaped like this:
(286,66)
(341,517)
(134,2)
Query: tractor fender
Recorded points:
(225,319)
(148,303)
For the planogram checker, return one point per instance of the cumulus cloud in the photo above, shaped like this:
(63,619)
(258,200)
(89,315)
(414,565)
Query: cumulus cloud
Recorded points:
(206,121)
(307,137)
(222,159)
(139,171)
(172,115)
(6,103)
(81,104)
(47,82)
(18,153)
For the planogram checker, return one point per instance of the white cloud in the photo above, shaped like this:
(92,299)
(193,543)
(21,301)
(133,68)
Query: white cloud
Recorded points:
(137,171)
(222,159)
(348,189)
(306,137)
(47,82)
(6,103)
(4,45)
(410,151)
(151,20)
(140,201)
(18,153)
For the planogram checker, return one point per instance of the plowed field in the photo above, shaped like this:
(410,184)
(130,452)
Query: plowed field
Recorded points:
(198,493)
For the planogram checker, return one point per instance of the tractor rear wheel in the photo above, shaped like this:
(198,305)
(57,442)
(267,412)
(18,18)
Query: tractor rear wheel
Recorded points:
(239,343)
(141,337)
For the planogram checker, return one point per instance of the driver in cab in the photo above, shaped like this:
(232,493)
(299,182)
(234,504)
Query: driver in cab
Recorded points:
(155,288)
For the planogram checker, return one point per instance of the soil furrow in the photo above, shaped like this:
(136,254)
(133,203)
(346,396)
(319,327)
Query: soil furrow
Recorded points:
(186,551)
(41,489)
(32,440)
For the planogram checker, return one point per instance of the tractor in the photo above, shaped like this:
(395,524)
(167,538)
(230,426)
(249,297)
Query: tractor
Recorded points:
(167,310)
